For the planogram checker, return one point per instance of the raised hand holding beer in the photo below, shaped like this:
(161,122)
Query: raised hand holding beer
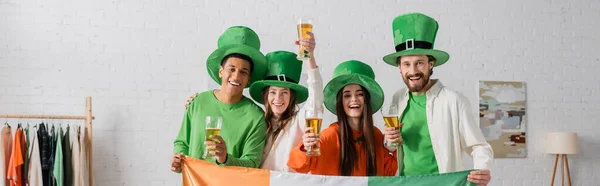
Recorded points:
(308,43)
(314,119)
(304,27)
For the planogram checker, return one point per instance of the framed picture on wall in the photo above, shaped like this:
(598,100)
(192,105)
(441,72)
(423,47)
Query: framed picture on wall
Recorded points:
(502,117)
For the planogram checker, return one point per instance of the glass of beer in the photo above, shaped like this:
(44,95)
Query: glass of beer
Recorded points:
(390,116)
(213,127)
(304,25)
(314,118)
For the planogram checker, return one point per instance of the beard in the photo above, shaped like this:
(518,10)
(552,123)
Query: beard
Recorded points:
(418,86)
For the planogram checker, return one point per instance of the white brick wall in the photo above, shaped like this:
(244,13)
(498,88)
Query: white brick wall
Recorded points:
(139,60)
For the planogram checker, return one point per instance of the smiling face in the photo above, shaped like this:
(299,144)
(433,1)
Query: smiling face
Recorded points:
(278,99)
(353,100)
(235,75)
(416,71)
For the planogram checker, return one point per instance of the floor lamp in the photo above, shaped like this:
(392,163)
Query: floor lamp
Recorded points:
(561,144)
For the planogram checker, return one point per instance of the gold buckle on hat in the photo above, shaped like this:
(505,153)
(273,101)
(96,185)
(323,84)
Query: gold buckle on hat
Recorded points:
(412,44)
(281,77)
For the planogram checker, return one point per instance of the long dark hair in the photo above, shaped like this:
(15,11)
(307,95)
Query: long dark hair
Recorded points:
(285,118)
(348,153)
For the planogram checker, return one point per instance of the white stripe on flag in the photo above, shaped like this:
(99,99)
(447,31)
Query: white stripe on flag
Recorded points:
(296,179)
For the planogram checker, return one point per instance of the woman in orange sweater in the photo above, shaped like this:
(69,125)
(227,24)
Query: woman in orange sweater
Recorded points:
(352,146)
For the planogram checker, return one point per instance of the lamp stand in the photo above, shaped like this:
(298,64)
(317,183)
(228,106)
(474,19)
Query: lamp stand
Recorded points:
(565,166)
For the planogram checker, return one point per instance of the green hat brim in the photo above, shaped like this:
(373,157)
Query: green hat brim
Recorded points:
(213,63)
(441,57)
(257,88)
(333,87)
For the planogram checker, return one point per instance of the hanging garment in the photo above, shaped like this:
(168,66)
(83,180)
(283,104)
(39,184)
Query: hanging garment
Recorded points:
(58,159)
(67,162)
(52,154)
(76,154)
(7,144)
(52,148)
(15,166)
(2,158)
(26,155)
(85,181)
(44,140)
(34,176)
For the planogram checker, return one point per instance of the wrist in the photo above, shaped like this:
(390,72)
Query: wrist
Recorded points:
(389,147)
(224,161)
(303,148)
(312,64)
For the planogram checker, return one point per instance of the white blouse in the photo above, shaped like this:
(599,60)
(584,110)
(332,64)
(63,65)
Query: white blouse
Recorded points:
(277,153)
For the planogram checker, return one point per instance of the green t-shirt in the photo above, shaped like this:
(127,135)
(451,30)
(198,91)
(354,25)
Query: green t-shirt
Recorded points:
(419,158)
(57,171)
(243,129)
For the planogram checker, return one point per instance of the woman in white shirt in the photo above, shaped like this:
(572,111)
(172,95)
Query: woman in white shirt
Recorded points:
(283,115)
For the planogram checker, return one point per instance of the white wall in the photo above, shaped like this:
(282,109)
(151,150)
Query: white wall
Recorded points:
(140,59)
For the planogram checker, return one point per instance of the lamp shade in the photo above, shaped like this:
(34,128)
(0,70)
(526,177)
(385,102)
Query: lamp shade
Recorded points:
(561,143)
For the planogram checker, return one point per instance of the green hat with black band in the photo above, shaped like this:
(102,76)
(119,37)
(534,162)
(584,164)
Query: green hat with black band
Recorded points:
(283,70)
(237,40)
(353,72)
(414,34)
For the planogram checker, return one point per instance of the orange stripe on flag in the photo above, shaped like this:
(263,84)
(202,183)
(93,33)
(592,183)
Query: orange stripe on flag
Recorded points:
(197,172)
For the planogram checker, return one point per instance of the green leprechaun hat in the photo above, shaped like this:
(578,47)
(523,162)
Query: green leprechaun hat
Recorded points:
(283,70)
(353,72)
(414,34)
(241,40)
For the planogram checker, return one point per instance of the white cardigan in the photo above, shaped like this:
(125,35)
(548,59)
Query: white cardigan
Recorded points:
(275,157)
(453,129)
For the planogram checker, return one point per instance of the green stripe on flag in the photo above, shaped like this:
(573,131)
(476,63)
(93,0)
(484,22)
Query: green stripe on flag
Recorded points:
(296,179)
(446,179)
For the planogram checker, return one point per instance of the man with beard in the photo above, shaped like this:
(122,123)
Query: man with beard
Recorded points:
(437,123)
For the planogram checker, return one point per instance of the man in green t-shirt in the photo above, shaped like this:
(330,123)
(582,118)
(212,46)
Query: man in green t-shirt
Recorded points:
(437,123)
(234,65)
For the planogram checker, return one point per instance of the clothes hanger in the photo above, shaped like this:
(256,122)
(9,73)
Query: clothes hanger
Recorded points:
(34,125)
(19,123)
(59,128)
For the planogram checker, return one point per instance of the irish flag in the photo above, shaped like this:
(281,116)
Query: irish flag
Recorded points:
(200,173)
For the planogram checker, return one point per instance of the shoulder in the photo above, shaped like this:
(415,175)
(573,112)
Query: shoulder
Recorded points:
(252,113)
(399,95)
(203,96)
(251,106)
(207,92)
(335,126)
(453,96)
(331,131)
(399,92)
(377,133)
(201,99)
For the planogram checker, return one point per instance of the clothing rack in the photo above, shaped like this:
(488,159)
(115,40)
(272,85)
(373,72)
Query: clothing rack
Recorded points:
(88,117)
